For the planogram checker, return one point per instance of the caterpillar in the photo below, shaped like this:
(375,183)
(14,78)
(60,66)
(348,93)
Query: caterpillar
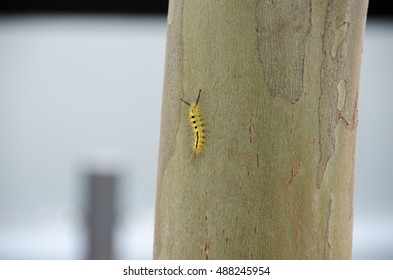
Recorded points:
(197,126)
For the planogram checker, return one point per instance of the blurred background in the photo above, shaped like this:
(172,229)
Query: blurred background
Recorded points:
(80,104)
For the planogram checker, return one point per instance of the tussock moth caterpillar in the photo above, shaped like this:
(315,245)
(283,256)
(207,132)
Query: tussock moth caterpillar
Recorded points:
(197,126)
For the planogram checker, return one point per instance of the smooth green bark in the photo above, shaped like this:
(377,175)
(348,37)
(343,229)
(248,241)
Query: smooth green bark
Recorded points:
(279,82)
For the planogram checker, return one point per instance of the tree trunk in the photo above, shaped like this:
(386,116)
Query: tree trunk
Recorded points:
(279,87)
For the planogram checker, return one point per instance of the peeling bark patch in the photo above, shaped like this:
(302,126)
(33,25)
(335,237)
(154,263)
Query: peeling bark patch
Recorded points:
(332,84)
(281,45)
(341,117)
(355,113)
(342,94)
(339,37)
(327,247)
(208,245)
(327,146)
(294,173)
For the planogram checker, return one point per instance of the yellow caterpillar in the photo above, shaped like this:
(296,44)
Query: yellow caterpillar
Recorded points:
(197,126)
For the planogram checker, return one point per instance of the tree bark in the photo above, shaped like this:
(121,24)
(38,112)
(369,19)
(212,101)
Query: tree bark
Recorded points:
(279,87)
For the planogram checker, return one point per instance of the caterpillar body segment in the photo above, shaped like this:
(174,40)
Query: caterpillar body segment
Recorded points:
(197,125)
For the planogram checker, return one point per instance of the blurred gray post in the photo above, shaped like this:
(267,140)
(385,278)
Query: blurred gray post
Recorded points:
(101,197)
